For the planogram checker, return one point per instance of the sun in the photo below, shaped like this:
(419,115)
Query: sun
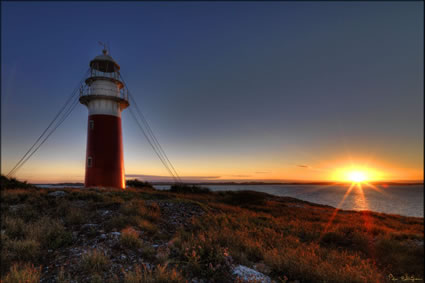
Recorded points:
(357,176)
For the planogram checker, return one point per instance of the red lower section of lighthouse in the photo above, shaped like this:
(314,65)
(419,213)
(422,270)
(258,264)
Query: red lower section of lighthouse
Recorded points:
(104,157)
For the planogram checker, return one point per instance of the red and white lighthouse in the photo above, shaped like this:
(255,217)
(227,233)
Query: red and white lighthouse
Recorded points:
(105,97)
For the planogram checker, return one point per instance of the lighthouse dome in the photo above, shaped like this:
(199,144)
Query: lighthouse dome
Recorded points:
(104,63)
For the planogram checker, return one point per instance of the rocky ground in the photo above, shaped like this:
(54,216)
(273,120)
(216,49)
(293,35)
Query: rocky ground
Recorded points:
(92,235)
(144,235)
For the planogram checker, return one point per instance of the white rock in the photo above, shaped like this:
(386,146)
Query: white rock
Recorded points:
(247,274)
(57,194)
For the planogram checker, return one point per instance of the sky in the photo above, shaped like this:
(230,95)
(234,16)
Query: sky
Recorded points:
(233,91)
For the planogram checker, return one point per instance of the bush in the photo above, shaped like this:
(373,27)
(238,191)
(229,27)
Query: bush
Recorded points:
(245,198)
(12,183)
(138,184)
(188,189)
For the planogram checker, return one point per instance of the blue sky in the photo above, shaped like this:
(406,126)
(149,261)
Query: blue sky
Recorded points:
(232,90)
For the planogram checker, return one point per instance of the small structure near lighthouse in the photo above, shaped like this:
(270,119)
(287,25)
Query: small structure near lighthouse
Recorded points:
(106,97)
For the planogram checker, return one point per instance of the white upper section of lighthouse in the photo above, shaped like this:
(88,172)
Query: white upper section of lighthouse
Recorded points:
(104,93)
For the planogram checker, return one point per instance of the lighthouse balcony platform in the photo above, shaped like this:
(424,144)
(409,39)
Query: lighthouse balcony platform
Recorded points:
(88,93)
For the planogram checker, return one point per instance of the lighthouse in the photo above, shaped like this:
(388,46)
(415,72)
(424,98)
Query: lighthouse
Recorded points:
(105,97)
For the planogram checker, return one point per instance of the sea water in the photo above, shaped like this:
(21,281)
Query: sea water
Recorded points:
(407,200)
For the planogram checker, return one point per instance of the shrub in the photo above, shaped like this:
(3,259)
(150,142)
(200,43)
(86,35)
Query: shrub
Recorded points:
(130,238)
(186,189)
(159,274)
(245,198)
(23,273)
(138,184)
(12,183)
(94,261)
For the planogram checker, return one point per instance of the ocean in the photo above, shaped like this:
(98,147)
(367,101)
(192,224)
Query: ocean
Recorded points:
(406,200)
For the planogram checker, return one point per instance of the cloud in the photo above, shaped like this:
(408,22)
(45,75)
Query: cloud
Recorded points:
(158,178)
(303,166)
(239,176)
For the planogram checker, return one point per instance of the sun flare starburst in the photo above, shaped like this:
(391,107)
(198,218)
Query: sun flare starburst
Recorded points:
(357,176)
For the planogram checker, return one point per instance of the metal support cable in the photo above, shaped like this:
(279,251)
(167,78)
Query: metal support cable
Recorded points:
(63,118)
(61,110)
(153,147)
(150,136)
(155,140)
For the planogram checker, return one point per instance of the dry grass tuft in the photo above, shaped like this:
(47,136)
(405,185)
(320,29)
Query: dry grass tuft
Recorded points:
(94,261)
(22,273)
(130,238)
(159,274)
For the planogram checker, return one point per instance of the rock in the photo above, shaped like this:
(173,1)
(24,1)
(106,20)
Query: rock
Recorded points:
(261,267)
(115,234)
(57,194)
(104,212)
(16,208)
(247,274)
(86,227)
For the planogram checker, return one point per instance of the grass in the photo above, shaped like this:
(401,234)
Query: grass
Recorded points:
(130,238)
(22,273)
(94,261)
(138,184)
(285,238)
(188,189)
(159,274)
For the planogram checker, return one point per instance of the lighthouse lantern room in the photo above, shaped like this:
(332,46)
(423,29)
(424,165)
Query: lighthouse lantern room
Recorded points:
(105,96)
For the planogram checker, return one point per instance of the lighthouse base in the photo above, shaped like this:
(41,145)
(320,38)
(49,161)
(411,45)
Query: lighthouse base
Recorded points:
(104,156)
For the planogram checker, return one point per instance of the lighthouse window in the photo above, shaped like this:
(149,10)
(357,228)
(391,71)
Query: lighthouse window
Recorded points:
(91,124)
(89,161)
